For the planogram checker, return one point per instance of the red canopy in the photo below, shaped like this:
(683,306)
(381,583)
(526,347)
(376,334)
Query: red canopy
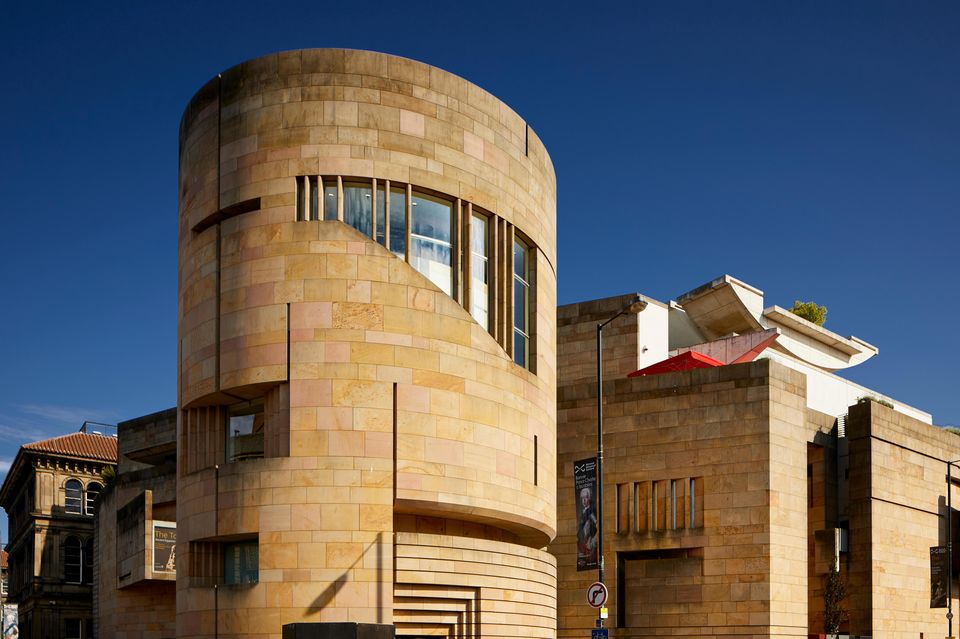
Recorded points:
(682,362)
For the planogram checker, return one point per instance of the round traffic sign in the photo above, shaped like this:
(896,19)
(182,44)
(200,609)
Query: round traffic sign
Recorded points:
(597,594)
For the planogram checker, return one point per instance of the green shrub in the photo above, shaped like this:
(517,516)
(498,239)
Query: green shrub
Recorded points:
(870,398)
(810,311)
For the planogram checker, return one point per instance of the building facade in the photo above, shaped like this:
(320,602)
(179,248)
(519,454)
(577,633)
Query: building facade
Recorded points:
(739,469)
(135,580)
(367,368)
(50,494)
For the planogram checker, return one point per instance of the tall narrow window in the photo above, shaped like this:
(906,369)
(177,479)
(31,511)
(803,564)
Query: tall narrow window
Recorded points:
(521,303)
(398,221)
(88,562)
(93,492)
(358,206)
(241,562)
(480,270)
(672,524)
(301,197)
(330,199)
(381,220)
(73,497)
(654,510)
(430,246)
(693,502)
(73,560)
(245,431)
(314,198)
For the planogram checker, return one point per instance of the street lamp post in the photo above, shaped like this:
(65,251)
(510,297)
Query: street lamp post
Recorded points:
(950,547)
(634,307)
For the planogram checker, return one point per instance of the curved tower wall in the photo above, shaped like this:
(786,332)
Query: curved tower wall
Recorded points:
(399,467)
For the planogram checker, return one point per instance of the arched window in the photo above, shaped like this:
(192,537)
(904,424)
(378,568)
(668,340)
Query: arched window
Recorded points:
(88,562)
(73,560)
(74,497)
(93,492)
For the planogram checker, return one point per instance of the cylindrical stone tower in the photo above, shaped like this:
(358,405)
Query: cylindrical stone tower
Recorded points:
(367,335)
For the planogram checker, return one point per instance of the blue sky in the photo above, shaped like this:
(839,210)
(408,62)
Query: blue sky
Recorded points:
(808,148)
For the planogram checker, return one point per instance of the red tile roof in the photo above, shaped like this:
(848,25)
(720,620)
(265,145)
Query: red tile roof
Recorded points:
(99,447)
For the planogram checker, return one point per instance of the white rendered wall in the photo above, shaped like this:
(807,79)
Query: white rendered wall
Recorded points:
(832,395)
(654,334)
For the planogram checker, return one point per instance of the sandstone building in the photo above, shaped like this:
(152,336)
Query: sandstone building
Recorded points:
(738,469)
(367,376)
(135,580)
(50,495)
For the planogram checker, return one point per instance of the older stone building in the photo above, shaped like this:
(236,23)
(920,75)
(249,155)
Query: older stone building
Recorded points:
(739,469)
(366,358)
(50,495)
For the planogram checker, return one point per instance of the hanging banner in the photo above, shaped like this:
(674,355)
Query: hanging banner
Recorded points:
(939,566)
(588,529)
(165,547)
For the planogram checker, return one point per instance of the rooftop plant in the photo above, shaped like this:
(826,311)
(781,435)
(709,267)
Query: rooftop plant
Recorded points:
(810,311)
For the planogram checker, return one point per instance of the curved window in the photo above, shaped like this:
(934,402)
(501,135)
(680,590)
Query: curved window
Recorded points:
(466,253)
(430,245)
(381,215)
(358,206)
(521,303)
(73,560)
(73,498)
(93,492)
(398,222)
(480,270)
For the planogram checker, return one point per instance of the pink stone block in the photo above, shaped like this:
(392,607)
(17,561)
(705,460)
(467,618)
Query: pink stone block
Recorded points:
(413,398)
(311,392)
(378,445)
(311,315)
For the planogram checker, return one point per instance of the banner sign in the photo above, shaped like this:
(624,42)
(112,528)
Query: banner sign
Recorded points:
(165,547)
(588,530)
(939,567)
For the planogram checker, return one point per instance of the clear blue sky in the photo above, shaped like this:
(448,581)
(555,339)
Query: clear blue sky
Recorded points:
(811,149)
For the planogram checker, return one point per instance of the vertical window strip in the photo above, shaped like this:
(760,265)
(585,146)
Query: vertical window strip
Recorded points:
(693,503)
(673,504)
(314,198)
(299,199)
(521,303)
(654,519)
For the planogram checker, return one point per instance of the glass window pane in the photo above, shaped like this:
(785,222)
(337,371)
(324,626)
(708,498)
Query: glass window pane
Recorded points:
(520,260)
(72,629)
(245,431)
(88,562)
(521,303)
(520,306)
(381,216)
(93,491)
(314,199)
(430,248)
(519,348)
(241,563)
(398,221)
(358,207)
(330,201)
(72,560)
(479,263)
(72,500)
